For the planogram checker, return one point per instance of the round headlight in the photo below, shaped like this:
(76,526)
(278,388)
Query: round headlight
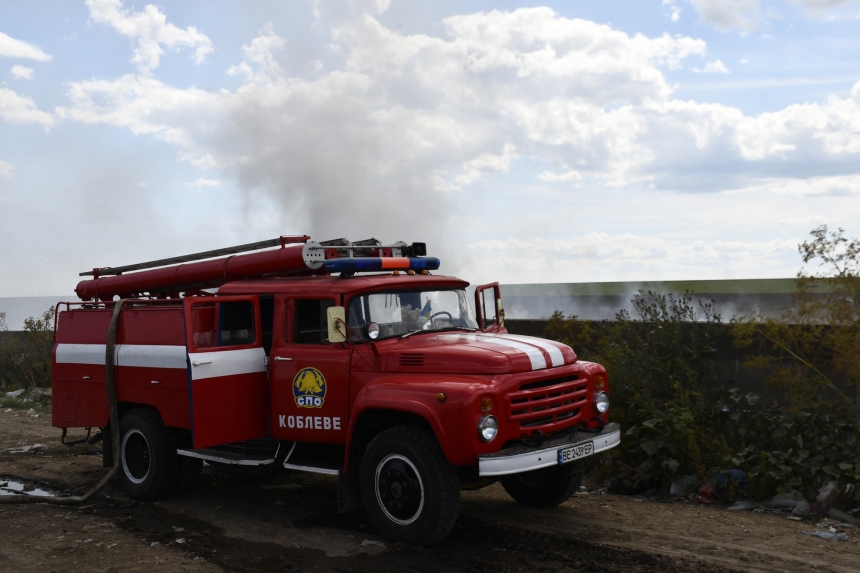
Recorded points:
(488,428)
(601,402)
(373,331)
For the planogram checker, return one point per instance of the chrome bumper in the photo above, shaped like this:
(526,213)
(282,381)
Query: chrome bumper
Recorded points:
(522,459)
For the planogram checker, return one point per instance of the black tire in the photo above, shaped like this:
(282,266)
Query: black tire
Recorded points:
(409,489)
(187,472)
(546,487)
(147,456)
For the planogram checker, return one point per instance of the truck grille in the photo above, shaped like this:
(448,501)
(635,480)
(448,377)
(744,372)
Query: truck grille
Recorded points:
(414,360)
(542,404)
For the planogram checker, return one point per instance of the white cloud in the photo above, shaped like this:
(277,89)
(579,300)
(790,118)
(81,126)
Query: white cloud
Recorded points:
(552,176)
(726,15)
(6,169)
(717,67)
(12,48)
(403,120)
(806,222)
(821,4)
(21,73)
(201,183)
(16,108)
(260,64)
(606,256)
(150,30)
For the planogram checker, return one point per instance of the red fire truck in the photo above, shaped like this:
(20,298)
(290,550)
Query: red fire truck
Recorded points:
(335,357)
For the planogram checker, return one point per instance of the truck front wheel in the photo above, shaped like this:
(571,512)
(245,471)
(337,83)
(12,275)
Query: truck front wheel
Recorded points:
(545,487)
(147,458)
(410,490)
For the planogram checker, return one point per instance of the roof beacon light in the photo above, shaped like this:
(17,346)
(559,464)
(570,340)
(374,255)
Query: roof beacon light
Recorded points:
(365,264)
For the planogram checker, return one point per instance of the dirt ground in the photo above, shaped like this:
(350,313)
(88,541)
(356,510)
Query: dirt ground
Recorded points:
(289,522)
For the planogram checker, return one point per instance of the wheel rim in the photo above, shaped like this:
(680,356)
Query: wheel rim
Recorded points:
(399,489)
(136,457)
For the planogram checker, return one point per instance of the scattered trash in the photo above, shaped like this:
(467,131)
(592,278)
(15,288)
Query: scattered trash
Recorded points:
(684,487)
(707,494)
(374,542)
(26,449)
(178,529)
(722,479)
(791,500)
(794,518)
(827,494)
(743,505)
(15,393)
(828,535)
(838,515)
(289,486)
(154,544)
(32,413)
(15,488)
(180,540)
(93,451)
(8,410)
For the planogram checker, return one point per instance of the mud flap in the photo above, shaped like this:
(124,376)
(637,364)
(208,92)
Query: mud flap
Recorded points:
(348,492)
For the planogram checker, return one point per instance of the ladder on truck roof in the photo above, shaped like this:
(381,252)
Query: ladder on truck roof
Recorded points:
(297,255)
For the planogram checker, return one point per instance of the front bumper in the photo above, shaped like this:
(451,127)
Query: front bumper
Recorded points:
(522,458)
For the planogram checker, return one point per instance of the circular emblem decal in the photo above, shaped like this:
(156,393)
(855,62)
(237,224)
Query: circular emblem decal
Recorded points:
(309,388)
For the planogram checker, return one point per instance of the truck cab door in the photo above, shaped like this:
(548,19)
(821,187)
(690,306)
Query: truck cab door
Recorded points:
(310,376)
(226,370)
(488,308)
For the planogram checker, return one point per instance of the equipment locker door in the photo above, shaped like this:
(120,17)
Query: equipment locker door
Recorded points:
(488,308)
(226,370)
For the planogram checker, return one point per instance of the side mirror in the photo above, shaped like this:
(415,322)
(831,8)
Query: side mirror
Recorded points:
(336,318)
(500,312)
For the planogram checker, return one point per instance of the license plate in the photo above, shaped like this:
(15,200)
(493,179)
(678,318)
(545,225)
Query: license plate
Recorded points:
(575,452)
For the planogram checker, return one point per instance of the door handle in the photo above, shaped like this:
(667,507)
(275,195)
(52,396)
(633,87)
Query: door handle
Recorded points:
(199,362)
(283,359)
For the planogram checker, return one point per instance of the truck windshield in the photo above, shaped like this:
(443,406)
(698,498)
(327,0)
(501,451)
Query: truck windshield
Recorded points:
(402,312)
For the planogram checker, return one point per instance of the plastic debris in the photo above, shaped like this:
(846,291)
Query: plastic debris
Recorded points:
(684,487)
(791,500)
(154,544)
(827,494)
(25,449)
(32,413)
(707,494)
(737,476)
(373,542)
(846,518)
(828,535)
(743,505)
(15,393)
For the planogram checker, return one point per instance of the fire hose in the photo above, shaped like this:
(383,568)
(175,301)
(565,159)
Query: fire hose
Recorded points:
(110,383)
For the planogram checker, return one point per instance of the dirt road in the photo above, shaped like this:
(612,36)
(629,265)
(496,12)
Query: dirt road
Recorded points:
(236,522)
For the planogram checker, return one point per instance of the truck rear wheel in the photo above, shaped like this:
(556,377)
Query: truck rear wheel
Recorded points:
(409,489)
(148,462)
(546,487)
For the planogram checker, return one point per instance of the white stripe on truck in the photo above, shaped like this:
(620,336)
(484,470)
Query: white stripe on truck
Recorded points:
(552,349)
(146,356)
(535,356)
(227,363)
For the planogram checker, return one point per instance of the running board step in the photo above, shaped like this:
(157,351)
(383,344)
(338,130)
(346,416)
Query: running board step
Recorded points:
(313,466)
(248,453)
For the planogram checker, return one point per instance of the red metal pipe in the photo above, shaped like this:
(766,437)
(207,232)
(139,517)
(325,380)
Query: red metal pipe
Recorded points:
(203,274)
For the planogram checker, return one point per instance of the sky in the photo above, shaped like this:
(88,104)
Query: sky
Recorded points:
(524,142)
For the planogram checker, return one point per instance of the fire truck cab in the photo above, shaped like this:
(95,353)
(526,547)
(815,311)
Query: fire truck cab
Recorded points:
(340,358)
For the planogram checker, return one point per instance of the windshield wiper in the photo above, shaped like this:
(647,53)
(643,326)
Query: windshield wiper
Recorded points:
(466,328)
